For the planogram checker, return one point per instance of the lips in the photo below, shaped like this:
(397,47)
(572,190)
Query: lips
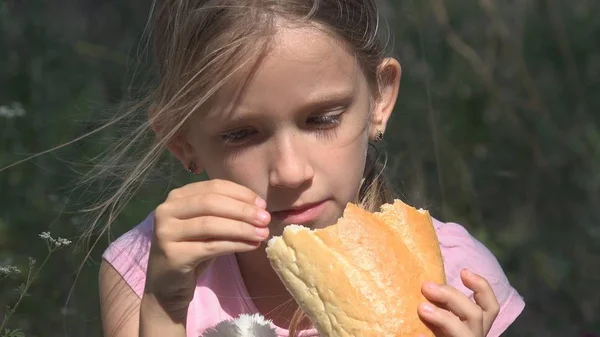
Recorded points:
(300,214)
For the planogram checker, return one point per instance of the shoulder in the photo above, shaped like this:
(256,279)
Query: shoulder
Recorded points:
(461,250)
(128,254)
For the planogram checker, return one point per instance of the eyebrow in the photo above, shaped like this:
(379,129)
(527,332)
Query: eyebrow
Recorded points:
(316,101)
(329,98)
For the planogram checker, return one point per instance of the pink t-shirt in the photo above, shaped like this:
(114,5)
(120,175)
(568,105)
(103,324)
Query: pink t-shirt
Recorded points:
(221,294)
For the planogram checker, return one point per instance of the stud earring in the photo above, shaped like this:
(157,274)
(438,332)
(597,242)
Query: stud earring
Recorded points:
(191,168)
(379,136)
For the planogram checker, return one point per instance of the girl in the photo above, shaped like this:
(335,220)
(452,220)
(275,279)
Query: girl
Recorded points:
(279,102)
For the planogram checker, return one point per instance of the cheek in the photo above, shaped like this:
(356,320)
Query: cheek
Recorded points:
(343,168)
(247,169)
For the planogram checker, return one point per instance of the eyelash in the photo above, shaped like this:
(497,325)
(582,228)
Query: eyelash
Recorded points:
(328,120)
(322,123)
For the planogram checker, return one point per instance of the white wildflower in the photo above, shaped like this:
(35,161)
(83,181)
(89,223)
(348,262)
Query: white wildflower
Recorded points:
(9,270)
(56,243)
(15,109)
(62,242)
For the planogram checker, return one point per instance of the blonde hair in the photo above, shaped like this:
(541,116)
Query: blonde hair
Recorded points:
(199,45)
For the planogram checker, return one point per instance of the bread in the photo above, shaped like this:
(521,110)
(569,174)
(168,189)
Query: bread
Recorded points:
(363,275)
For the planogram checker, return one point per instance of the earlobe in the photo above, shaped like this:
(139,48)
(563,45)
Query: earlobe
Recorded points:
(388,74)
(178,144)
(181,148)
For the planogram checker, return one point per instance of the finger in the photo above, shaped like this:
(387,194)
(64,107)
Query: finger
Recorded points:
(443,321)
(456,302)
(484,296)
(214,205)
(224,187)
(214,228)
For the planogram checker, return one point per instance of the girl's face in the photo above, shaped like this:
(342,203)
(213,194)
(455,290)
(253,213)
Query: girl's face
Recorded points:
(298,132)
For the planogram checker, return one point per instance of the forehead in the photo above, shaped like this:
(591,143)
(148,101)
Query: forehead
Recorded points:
(309,48)
(302,64)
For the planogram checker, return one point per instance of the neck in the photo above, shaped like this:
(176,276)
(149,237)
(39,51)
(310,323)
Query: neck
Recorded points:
(269,294)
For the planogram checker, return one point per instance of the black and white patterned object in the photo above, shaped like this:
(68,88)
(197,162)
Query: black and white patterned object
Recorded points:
(243,326)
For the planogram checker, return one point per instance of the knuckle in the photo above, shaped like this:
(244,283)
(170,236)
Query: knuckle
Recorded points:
(161,227)
(252,196)
(169,252)
(174,194)
(201,223)
(216,184)
(495,309)
(249,211)
(200,199)
(453,319)
(162,231)
(201,203)
(161,212)
(211,247)
(202,227)
(241,227)
(477,314)
(448,321)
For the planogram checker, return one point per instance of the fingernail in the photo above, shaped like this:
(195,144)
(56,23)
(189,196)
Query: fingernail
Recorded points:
(260,203)
(262,232)
(468,272)
(428,308)
(263,217)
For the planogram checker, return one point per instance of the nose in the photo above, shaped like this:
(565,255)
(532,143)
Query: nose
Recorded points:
(290,166)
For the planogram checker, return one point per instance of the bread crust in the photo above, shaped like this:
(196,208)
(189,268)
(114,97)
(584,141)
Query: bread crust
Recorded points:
(363,275)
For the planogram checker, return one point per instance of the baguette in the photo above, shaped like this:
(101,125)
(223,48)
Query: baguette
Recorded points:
(361,276)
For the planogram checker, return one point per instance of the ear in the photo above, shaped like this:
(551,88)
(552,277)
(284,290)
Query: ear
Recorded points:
(388,75)
(178,144)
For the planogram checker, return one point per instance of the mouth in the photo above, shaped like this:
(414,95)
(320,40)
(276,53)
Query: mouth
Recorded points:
(300,214)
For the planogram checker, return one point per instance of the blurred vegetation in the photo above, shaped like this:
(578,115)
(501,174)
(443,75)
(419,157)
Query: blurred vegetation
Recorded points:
(496,128)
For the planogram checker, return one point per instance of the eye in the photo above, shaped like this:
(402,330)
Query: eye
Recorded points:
(325,121)
(237,136)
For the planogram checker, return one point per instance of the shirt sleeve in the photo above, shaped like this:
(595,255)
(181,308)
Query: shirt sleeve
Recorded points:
(129,254)
(460,250)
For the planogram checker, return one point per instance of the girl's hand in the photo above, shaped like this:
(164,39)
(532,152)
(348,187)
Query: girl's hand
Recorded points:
(456,315)
(195,224)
